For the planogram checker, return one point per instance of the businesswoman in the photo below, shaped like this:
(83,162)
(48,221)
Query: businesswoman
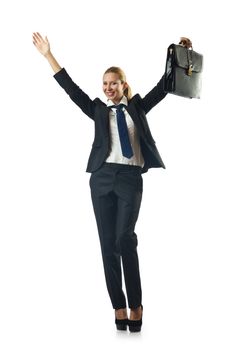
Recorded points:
(122,150)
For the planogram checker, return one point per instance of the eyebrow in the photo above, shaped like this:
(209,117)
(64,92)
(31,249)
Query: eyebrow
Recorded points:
(112,81)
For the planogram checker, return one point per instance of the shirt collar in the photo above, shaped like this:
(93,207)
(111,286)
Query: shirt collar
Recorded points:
(123,101)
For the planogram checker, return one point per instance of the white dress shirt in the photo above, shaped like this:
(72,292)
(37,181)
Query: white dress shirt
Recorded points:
(115,155)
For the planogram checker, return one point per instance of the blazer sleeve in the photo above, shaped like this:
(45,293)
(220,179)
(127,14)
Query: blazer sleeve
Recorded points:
(75,93)
(154,96)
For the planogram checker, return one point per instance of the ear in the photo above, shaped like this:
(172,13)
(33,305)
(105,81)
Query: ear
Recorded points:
(125,86)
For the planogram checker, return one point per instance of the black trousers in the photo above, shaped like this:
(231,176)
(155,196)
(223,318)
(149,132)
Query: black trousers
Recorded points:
(116,192)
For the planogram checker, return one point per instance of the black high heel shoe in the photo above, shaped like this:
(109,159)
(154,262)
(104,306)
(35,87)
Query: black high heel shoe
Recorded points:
(135,325)
(121,325)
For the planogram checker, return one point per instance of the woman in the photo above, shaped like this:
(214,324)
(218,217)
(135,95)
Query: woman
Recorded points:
(122,150)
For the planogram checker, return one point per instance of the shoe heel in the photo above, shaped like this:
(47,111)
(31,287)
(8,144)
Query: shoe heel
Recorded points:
(135,326)
(121,325)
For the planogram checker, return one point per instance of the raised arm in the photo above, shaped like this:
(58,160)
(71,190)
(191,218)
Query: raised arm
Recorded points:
(78,96)
(154,96)
(43,46)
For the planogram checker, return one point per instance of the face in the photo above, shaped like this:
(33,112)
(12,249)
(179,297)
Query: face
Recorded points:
(113,87)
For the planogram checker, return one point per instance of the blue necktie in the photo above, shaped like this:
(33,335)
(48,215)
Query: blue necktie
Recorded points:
(123,132)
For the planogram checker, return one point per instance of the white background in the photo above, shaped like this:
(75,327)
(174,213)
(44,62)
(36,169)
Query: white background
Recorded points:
(52,293)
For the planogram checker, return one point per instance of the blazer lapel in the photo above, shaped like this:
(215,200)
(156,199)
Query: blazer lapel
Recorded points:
(133,113)
(138,118)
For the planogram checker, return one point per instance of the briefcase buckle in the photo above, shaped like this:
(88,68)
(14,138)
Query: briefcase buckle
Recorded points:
(190,70)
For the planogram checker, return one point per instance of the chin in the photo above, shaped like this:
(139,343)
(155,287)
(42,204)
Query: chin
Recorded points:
(111,98)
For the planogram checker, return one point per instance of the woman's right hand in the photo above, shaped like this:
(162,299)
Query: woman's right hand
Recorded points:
(42,45)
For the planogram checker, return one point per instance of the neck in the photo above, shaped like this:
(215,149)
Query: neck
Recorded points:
(117,101)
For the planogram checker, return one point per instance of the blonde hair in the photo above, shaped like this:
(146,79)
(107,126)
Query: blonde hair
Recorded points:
(122,77)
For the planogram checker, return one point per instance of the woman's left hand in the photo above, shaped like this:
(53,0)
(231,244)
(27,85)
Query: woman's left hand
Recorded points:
(185,42)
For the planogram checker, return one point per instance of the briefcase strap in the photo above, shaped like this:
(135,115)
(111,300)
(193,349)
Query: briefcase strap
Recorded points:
(189,49)
(190,62)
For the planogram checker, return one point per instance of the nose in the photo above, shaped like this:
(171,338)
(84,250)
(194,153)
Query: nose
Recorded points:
(108,88)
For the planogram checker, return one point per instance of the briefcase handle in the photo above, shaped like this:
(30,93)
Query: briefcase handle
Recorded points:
(186,42)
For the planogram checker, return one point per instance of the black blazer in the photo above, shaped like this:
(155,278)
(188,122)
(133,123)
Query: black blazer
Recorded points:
(99,113)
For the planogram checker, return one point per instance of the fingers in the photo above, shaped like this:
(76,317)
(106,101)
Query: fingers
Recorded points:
(42,44)
(34,39)
(185,42)
(38,34)
(37,38)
